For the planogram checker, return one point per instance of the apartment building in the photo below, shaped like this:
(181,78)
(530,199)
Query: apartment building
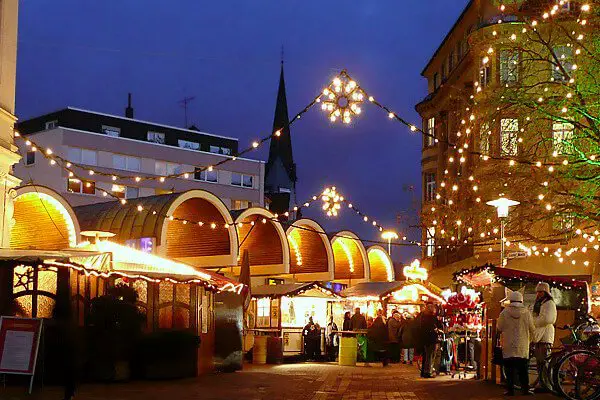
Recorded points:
(128,147)
(470,60)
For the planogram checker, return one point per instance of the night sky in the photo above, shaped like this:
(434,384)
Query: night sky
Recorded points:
(89,54)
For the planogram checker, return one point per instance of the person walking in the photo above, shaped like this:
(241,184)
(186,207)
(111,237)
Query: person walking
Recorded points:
(358,321)
(408,339)
(332,339)
(394,325)
(428,326)
(377,337)
(516,326)
(544,314)
(311,339)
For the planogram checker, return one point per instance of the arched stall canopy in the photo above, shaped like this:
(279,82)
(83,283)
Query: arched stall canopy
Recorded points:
(350,257)
(42,220)
(194,227)
(380,264)
(264,238)
(311,256)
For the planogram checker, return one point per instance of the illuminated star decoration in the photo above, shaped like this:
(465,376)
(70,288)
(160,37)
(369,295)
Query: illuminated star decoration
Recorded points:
(342,99)
(331,201)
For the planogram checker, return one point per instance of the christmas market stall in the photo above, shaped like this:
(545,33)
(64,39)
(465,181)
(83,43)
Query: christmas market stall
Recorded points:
(408,296)
(280,312)
(495,283)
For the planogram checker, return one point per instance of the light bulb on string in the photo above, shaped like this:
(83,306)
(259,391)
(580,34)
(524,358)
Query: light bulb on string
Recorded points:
(342,99)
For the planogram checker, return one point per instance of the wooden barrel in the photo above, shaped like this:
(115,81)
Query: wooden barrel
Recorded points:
(259,352)
(348,350)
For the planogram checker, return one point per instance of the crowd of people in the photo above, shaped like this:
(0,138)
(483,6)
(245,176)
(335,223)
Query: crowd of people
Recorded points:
(383,340)
(396,339)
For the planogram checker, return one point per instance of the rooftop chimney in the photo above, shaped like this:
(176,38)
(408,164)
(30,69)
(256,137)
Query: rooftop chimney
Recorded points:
(129,109)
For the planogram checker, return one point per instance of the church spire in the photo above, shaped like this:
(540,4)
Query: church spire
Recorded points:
(280,171)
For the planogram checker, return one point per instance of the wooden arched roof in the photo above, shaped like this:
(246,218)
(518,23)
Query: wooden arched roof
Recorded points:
(350,256)
(381,265)
(310,250)
(42,220)
(214,242)
(263,236)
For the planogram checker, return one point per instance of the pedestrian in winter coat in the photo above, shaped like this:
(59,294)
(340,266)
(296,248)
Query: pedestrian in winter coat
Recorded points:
(358,321)
(428,327)
(516,325)
(544,313)
(332,340)
(394,325)
(377,337)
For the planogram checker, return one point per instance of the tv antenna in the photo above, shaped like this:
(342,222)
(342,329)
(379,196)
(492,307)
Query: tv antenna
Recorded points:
(184,103)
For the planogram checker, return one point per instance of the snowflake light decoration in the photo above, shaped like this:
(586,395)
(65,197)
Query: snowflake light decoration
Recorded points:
(342,99)
(331,201)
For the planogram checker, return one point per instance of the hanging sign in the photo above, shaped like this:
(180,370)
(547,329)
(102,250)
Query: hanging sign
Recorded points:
(19,344)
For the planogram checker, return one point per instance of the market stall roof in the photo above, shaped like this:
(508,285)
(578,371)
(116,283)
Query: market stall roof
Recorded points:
(372,289)
(290,290)
(33,255)
(487,274)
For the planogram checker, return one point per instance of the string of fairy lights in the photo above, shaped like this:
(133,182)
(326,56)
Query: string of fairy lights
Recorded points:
(342,100)
(453,187)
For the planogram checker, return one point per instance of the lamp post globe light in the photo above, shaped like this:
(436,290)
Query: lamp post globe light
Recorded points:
(389,236)
(502,205)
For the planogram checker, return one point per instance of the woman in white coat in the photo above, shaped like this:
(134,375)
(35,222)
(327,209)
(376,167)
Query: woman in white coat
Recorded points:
(516,326)
(544,313)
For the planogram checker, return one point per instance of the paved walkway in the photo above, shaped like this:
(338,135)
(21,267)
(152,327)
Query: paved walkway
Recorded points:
(291,382)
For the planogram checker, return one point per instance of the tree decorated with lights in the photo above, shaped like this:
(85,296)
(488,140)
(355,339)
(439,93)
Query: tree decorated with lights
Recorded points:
(530,130)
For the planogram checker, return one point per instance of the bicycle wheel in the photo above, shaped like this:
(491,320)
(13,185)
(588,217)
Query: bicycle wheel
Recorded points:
(587,384)
(564,375)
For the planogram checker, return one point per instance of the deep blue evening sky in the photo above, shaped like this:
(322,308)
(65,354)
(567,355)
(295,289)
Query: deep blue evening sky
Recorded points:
(89,54)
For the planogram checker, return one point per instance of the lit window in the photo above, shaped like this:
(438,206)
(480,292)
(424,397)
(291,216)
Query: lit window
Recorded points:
(263,311)
(562,136)
(485,136)
(430,186)
(430,233)
(509,130)
(111,131)
(51,124)
(240,204)
(564,55)
(186,144)
(77,186)
(485,74)
(125,192)
(206,175)
(156,137)
(242,180)
(30,158)
(127,163)
(118,191)
(430,137)
(509,66)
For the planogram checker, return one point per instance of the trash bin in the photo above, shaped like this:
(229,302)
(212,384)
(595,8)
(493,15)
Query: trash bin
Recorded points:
(259,351)
(348,350)
(274,350)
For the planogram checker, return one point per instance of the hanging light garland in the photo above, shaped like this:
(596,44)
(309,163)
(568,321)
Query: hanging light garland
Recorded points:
(342,99)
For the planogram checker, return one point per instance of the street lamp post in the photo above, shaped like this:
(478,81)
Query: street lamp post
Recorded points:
(389,236)
(502,205)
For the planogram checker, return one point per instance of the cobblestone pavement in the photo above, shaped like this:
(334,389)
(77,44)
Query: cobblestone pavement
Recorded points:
(291,381)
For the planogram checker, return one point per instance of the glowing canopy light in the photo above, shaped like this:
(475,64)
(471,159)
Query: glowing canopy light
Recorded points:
(342,99)
(415,272)
(502,204)
(331,201)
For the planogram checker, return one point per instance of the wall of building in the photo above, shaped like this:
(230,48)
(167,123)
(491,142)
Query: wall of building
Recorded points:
(61,139)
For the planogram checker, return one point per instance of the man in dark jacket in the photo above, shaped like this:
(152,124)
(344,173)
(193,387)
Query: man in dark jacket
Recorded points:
(377,336)
(359,322)
(394,325)
(428,326)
